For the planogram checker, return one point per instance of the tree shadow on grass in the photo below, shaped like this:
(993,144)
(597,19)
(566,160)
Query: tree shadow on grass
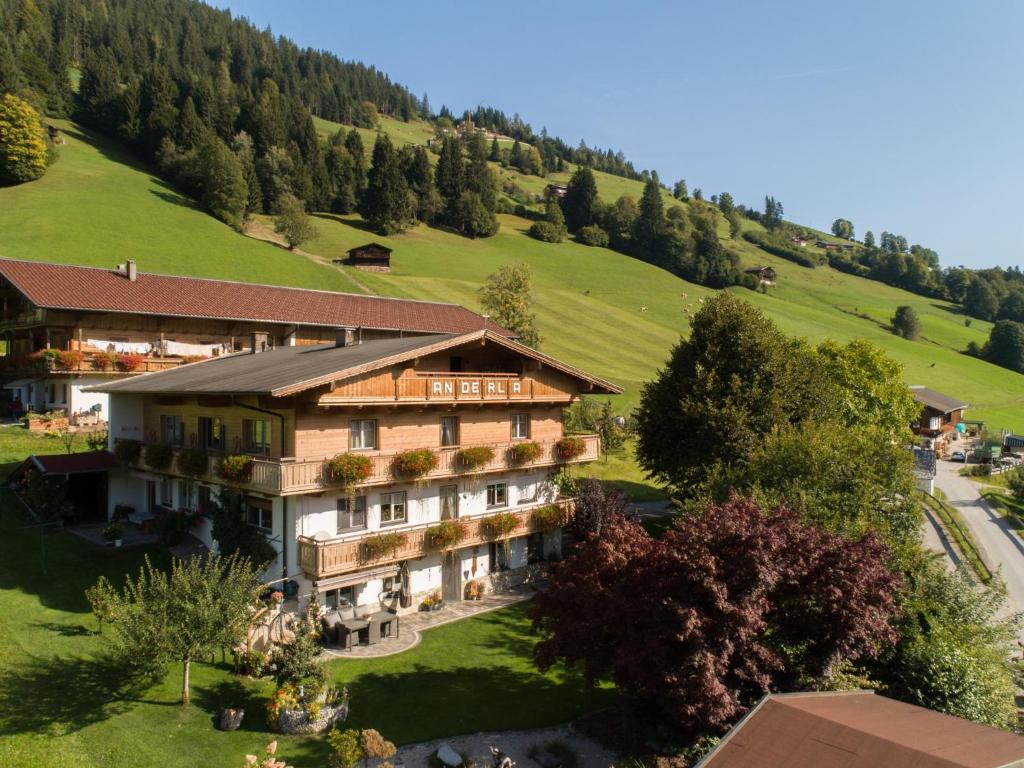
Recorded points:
(234,693)
(341,219)
(65,630)
(58,695)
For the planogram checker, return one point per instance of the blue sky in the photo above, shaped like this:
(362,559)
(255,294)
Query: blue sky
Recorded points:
(901,116)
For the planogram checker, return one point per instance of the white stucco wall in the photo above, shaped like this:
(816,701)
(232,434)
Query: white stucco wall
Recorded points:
(79,400)
(125,417)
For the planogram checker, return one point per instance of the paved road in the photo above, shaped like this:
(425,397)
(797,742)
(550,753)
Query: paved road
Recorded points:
(1001,547)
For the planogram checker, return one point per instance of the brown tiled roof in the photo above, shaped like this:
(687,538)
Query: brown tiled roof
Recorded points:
(860,730)
(74,463)
(61,286)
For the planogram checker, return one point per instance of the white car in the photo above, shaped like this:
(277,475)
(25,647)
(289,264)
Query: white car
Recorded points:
(958,456)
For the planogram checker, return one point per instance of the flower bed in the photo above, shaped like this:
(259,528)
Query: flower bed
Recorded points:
(500,525)
(476,457)
(446,534)
(193,462)
(383,544)
(236,468)
(310,709)
(128,451)
(524,453)
(351,468)
(159,456)
(569,448)
(51,421)
(415,463)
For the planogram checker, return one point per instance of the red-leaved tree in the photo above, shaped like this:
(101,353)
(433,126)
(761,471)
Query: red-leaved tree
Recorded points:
(695,626)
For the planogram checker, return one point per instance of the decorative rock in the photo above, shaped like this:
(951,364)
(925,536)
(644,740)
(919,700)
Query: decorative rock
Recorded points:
(298,720)
(449,756)
(231,719)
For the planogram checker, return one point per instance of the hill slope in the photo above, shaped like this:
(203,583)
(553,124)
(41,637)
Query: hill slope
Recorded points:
(604,311)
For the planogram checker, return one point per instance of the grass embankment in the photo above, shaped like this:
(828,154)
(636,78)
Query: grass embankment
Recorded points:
(953,523)
(1007,506)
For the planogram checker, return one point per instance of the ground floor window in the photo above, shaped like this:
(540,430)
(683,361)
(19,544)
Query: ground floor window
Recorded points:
(392,586)
(498,556)
(187,496)
(259,514)
(535,548)
(165,492)
(343,597)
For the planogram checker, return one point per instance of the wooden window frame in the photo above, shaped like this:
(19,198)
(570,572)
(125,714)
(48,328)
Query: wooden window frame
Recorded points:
(457,431)
(512,426)
(352,435)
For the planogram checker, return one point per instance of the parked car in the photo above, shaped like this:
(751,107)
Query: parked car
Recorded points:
(958,456)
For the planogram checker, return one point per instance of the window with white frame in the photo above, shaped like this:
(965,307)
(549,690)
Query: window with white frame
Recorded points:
(172,429)
(527,492)
(364,434)
(392,508)
(449,431)
(497,495)
(187,496)
(351,513)
(520,426)
(259,514)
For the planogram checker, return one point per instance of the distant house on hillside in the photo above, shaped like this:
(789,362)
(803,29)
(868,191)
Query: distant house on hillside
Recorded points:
(555,190)
(372,257)
(939,413)
(765,275)
(799,240)
(859,729)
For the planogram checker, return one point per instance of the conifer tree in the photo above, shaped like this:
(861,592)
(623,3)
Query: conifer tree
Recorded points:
(516,158)
(495,156)
(479,178)
(450,174)
(354,145)
(581,203)
(386,203)
(189,130)
(650,224)
(224,191)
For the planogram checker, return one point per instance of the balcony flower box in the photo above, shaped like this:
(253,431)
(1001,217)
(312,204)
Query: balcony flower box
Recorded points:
(159,456)
(476,457)
(128,451)
(415,463)
(193,462)
(130,363)
(350,469)
(500,526)
(446,534)
(550,516)
(569,448)
(524,453)
(235,469)
(104,361)
(383,544)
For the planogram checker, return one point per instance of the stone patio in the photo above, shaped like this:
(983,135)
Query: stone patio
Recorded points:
(412,625)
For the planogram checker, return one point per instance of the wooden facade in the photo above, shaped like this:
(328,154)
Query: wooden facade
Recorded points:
(372,257)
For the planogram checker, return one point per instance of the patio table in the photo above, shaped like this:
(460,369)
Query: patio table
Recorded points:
(354,627)
(388,619)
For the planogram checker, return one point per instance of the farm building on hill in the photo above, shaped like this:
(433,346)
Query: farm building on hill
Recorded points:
(858,729)
(372,257)
(940,415)
(765,275)
(555,190)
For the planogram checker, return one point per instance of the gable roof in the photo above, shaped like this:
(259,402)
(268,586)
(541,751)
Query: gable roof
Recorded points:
(859,729)
(69,464)
(289,370)
(94,289)
(375,245)
(937,400)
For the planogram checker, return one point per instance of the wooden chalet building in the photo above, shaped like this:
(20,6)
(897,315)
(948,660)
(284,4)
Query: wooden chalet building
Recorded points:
(426,459)
(68,327)
(765,275)
(372,257)
(939,413)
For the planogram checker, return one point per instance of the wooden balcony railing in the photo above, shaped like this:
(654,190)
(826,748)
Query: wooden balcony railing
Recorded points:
(89,363)
(291,476)
(325,559)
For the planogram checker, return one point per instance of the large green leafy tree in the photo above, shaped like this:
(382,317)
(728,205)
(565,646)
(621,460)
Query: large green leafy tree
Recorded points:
(1005,345)
(182,614)
(224,190)
(507,297)
(581,205)
(23,154)
(980,300)
(906,322)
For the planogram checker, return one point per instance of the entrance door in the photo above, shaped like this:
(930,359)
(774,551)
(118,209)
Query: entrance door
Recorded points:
(449,502)
(451,577)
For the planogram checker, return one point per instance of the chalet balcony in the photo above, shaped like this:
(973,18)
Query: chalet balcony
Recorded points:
(291,476)
(326,559)
(72,362)
(444,388)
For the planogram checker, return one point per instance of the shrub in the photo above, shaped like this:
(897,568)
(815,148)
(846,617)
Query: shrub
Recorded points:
(500,525)
(546,232)
(129,363)
(351,468)
(284,699)
(112,531)
(382,544)
(475,457)
(159,456)
(906,323)
(70,359)
(416,462)
(592,235)
(446,534)
(551,516)
(1015,482)
(23,155)
(569,448)
(346,748)
(236,468)
(193,462)
(524,453)
(128,451)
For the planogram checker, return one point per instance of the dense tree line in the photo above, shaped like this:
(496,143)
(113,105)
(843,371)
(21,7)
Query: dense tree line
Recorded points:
(683,240)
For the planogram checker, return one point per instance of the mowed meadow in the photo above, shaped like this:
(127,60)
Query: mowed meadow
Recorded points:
(598,309)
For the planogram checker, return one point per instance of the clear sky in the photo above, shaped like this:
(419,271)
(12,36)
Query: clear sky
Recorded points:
(900,116)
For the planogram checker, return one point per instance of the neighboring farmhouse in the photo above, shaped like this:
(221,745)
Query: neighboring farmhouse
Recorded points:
(372,257)
(67,327)
(376,466)
(940,414)
(859,729)
(764,275)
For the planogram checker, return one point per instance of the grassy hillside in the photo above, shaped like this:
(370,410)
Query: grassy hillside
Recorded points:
(608,313)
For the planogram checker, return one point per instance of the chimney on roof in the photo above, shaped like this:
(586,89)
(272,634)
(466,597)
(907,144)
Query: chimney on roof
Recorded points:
(346,337)
(129,270)
(259,342)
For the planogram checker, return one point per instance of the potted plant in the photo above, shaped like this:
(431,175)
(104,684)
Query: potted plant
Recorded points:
(193,462)
(69,360)
(351,469)
(569,448)
(525,452)
(104,361)
(433,601)
(236,468)
(112,533)
(474,589)
(415,463)
(476,457)
(159,456)
(446,534)
(129,363)
(382,544)
(127,451)
(550,516)
(500,525)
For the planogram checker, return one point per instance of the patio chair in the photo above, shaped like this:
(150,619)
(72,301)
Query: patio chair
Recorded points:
(372,629)
(330,623)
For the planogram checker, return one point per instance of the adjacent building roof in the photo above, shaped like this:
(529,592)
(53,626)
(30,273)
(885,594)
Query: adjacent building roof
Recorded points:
(93,289)
(288,370)
(71,464)
(937,400)
(369,246)
(859,729)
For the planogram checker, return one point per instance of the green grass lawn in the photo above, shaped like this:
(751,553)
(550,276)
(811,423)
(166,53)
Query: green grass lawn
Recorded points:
(66,704)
